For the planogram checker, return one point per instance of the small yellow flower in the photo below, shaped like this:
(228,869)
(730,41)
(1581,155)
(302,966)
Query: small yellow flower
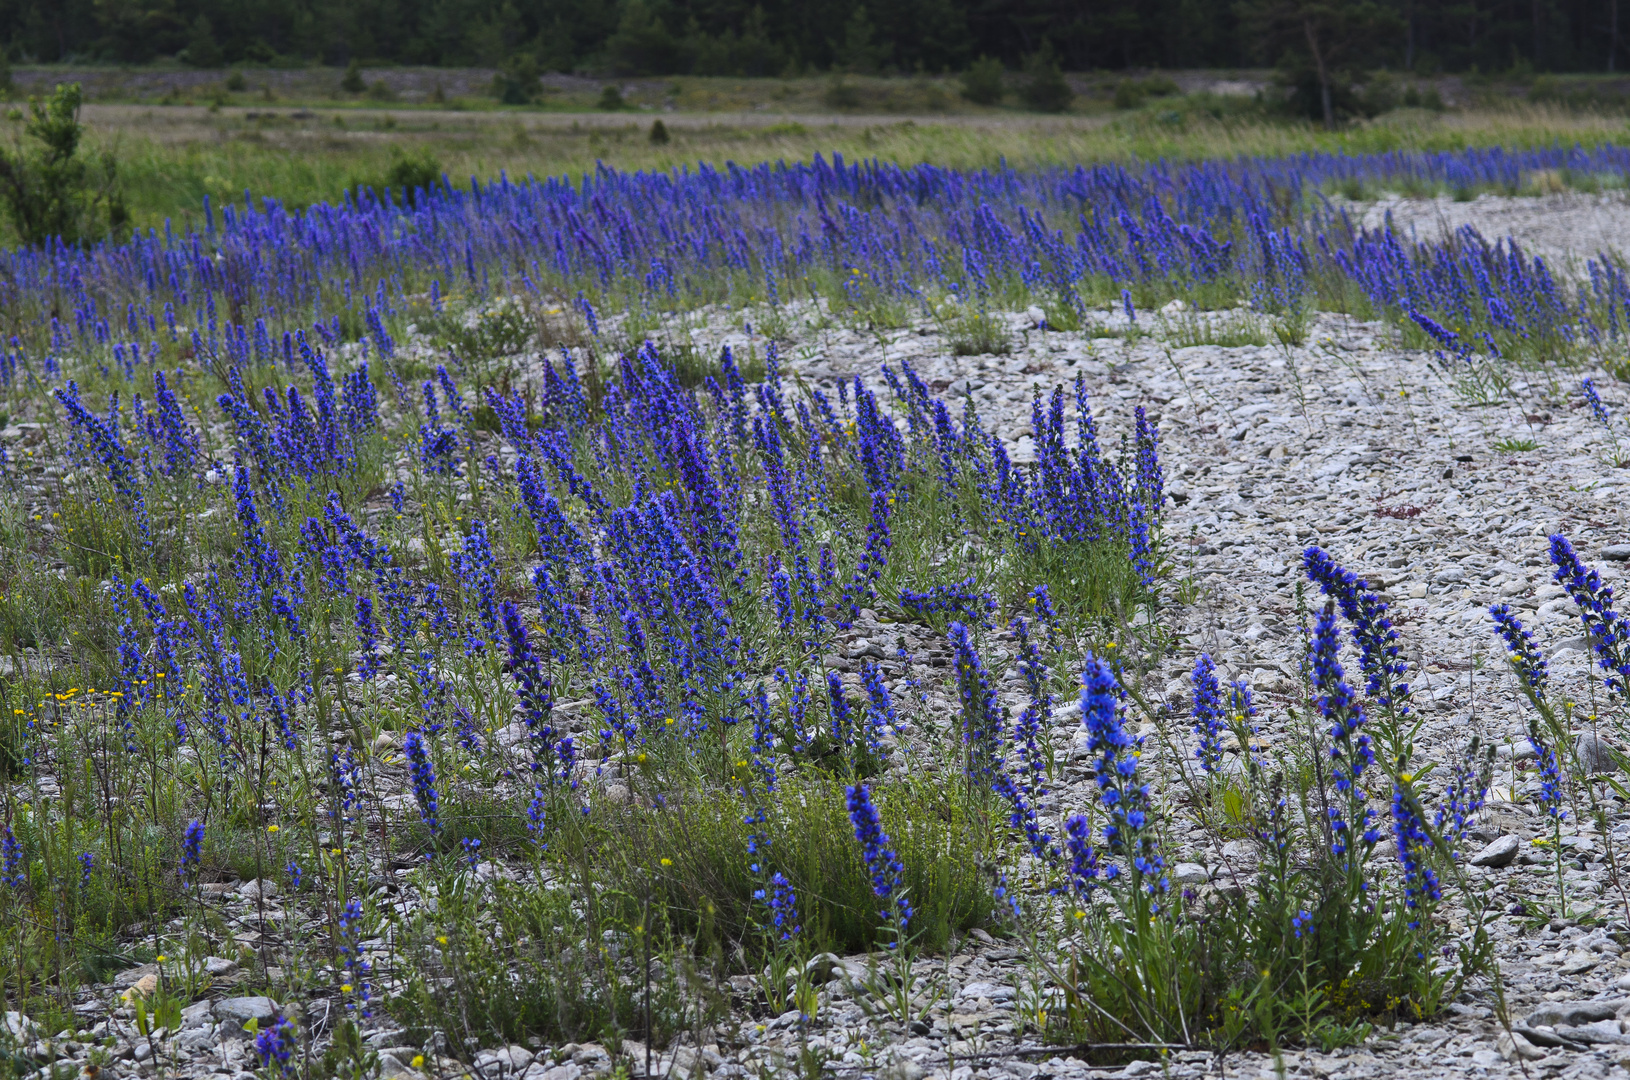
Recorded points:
(345,988)
(442,940)
(271,828)
(418,1061)
(162,958)
(667,862)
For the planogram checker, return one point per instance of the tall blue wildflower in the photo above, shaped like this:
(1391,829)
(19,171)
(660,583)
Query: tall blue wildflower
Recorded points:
(981,718)
(1350,751)
(1085,869)
(11,859)
(1380,655)
(275,1045)
(1594,400)
(477,571)
(1608,631)
(1028,737)
(423,774)
(367,638)
(842,720)
(357,967)
(1208,713)
(1465,792)
(886,869)
(537,697)
(962,601)
(192,846)
(1526,659)
(782,902)
(99,438)
(880,718)
(1129,832)
(1421,886)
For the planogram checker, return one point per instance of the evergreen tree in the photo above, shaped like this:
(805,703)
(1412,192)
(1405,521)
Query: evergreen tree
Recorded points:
(1319,45)
(982,83)
(202,51)
(1045,89)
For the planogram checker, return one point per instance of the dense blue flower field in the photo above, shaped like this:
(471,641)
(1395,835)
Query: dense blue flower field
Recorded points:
(404,554)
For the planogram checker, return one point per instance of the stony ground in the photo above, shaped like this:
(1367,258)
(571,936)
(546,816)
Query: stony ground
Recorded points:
(1345,442)
(1563,227)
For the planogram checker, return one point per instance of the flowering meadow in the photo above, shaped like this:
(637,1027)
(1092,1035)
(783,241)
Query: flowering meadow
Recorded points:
(552,675)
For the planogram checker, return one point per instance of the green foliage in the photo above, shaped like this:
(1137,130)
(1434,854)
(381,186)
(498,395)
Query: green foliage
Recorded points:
(236,83)
(861,52)
(408,174)
(611,98)
(517,81)
(841,94)
(982,82)
(352,82)
(1321,48)
(659,133)
(1045,88)
(202,50)
(50,190)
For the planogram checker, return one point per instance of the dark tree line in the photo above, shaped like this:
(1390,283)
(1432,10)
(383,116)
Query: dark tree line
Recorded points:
(772,37)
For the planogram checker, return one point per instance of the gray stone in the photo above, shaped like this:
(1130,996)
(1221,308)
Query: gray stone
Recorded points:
(902,1068)
(827,967)
(1501,852)
(1513,1047)
(258,889)
(1187,873)
(1572,645)
(1602,1032)
(20,1027)
(1595,754)
(1617,552)
(197,1014)
(131,976)
(244,1009)
(1574,1013)
(393,1068)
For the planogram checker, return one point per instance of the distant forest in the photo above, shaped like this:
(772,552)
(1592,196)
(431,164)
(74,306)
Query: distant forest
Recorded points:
(775,37)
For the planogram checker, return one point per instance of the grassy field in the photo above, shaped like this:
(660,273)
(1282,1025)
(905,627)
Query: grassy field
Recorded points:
(172,156)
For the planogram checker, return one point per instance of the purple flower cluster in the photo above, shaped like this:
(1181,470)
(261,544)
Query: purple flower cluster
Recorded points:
(1379,652)
(1607,630)
(886,870)
(1209,719)
(1129,831)
(962,601)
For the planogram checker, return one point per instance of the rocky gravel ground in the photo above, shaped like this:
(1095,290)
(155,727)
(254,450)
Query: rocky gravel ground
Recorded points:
(1345,442)
(1564,227)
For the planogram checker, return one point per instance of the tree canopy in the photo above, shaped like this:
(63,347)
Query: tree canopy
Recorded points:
(772,37)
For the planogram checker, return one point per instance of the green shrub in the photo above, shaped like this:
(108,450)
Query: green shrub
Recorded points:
(52,191)
(517,81)
(982,82)
(1045,89)
(611,99)
(202,50)
(842,95)
(352,82)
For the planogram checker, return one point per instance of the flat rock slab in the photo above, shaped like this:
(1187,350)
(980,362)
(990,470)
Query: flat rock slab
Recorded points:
(1498,853)
(244,1009)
